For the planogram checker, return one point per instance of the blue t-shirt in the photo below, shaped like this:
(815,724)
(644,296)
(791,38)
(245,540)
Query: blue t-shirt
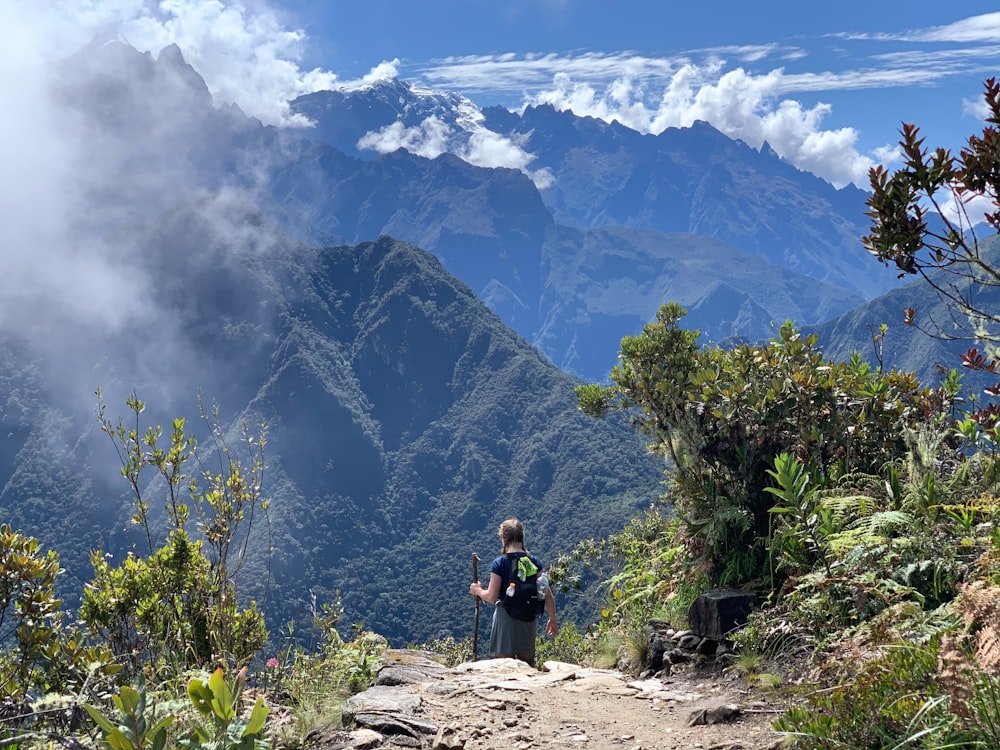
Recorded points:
(502,567)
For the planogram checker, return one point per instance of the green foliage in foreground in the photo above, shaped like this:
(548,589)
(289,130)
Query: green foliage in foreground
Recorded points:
(864,508)
(889,595)
(177,608)
(220,722)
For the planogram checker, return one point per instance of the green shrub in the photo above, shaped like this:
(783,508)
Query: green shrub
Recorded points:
(569,645)
(177,608)
(890,702)
(130,729)
(224,727)
(30,613)
(451,649)
(220,723)
(721,417)
(38,652)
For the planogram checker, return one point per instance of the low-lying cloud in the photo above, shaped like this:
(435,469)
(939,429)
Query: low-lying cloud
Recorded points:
(83,181)
(476,145)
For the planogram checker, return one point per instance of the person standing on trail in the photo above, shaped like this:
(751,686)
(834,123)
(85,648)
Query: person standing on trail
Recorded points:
(519,588)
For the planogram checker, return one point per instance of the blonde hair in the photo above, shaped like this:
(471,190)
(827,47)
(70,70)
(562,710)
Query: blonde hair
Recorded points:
(511,532)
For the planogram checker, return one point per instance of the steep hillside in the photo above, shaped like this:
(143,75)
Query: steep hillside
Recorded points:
(427,423)
(698,181)
(607,283)
(406,420)
(684,180)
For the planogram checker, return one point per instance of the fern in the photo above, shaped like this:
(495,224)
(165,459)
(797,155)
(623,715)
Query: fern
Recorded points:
(846,507)
(883,524)
(869,530)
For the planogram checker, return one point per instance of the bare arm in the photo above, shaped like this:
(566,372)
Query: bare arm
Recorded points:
(489,593)
(551,627)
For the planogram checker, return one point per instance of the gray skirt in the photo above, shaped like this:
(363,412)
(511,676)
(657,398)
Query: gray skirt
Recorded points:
(512,637)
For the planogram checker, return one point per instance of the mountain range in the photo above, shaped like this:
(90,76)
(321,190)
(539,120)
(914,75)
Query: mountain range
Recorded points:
(662,196)
(410,326)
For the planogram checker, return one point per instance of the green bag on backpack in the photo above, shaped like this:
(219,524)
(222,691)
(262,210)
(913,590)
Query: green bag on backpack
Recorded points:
(527,603)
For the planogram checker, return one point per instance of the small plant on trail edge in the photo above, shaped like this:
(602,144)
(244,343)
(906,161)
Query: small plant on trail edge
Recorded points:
(212,697)
(891,702)
(451,649)
(218,701)
(569,645)
(130,729)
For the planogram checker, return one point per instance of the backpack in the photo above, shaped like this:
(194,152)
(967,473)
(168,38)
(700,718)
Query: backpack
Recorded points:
(527,603)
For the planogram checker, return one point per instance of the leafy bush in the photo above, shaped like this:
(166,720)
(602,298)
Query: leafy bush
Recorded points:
(39,654)
(177,608)
(130,728)
(312,683)
(569,645)
(217,702)
(722,416)
(30,613)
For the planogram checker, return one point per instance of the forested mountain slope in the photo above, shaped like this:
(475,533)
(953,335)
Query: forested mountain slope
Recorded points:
(405,421)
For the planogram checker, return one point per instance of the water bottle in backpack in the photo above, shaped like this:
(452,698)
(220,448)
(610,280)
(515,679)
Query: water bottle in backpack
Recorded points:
(543,585)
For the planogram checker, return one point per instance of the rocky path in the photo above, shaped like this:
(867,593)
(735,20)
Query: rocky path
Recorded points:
(503,703)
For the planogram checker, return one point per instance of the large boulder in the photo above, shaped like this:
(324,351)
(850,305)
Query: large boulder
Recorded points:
(718,612)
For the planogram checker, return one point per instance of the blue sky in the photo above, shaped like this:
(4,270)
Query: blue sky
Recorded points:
(826,84)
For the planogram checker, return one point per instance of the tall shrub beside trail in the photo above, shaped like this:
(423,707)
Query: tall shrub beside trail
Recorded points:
(176,608)
(721,417)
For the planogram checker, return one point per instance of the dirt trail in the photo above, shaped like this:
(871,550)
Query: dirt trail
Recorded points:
(503,704)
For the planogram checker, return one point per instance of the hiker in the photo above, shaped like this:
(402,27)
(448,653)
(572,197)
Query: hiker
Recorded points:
(514,587)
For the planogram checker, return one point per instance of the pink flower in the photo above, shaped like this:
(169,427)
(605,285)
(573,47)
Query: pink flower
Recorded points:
(272,662)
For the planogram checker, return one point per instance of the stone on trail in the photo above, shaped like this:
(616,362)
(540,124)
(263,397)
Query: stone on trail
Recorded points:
(410,667)
(496,666)
(448,738)
(363,739)
(715,715)
(382,699)
(395,724)
(718,612)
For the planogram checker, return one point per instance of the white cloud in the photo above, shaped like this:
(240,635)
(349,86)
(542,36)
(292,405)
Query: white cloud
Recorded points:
(981,28)
(474,144)
(970,212)
(244,51)
(46,276)
(976,107)
(429,139)
(385,70)
(738,103)
(76,265)
(744,91)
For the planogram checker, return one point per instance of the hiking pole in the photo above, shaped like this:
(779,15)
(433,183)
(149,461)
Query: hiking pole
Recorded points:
(475,626)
